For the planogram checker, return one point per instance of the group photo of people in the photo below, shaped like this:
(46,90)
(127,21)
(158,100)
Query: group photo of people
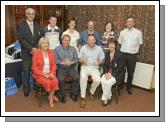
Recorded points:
(96,58)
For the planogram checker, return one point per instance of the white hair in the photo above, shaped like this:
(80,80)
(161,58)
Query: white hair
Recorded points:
(28,10)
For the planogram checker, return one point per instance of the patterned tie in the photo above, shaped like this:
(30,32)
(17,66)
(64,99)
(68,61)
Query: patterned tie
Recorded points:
(31,27)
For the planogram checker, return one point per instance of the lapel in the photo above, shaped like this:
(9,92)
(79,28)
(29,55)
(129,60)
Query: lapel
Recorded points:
(35,31)
(114,62)
(49,56)
(28,28)
(41,59)
(115,56)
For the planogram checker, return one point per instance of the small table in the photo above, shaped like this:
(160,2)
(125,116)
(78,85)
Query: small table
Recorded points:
(14,70)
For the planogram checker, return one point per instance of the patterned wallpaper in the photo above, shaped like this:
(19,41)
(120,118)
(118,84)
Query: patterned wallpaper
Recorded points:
(144,20)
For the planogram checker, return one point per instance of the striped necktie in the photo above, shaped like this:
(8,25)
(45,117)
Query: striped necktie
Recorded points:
(31,28)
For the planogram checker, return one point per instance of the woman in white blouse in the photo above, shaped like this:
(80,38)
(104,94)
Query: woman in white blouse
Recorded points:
(73,33)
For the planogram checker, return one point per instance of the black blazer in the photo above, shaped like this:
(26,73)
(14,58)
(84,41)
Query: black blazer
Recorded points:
(27,40)
(117,65)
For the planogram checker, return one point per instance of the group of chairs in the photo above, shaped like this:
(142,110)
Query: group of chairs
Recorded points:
(115,89)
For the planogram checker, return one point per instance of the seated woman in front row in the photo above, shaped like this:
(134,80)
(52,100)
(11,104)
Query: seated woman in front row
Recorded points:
(113,70)
(44,69)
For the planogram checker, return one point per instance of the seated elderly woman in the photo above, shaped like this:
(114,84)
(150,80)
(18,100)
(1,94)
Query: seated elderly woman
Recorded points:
(44,69)
(113,70)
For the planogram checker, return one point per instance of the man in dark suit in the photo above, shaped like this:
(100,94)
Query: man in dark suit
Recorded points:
(28,35)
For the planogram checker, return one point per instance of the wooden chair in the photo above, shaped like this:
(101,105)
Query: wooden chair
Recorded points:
(115,91)
(39,93)
(68,80)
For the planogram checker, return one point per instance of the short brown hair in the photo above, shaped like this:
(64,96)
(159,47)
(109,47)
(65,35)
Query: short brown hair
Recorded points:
(91,35)
(72,19)
(113,40)
(52,15)
(112,25)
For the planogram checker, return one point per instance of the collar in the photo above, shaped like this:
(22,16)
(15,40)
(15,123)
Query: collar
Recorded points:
(49,28)
(91,32)
(130,29)
(109,33)
(92,47)
(29,22)
(68,30)
(65,48)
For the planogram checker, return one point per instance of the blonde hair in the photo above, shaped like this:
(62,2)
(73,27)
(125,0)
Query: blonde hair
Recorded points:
(42,40)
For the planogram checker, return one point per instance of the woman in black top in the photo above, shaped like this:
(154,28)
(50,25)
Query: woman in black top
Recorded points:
(113,70)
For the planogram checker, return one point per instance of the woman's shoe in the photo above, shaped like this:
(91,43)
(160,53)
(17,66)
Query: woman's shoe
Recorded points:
(104,103)
(55,99)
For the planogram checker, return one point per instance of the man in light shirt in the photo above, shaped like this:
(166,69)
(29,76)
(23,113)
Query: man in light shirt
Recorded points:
(90,56)
(52,32)
(130,40)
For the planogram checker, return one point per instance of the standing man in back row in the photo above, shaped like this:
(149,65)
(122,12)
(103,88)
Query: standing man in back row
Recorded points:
(130,40)
(84,34)
(52,32)
(28,36)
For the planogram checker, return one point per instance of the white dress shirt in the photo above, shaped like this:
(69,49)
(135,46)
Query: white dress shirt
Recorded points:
(130,40)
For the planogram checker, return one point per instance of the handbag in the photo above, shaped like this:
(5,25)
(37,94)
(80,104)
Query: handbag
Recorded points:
(10,86)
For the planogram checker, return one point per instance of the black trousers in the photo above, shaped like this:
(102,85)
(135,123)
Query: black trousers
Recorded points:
(64,72)
(26,67)
(130,63)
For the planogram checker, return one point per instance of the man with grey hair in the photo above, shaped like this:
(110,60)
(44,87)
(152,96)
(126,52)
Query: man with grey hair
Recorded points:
(66,59)
(28,36)
(84,34)
(91,56)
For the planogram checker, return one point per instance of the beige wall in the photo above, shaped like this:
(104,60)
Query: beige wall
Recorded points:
(144,20)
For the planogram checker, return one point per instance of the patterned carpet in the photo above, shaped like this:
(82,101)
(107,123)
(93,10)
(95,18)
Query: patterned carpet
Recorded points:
(141,101)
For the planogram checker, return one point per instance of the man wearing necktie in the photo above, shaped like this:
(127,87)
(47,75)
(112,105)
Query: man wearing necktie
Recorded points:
(32,28)
(28,35)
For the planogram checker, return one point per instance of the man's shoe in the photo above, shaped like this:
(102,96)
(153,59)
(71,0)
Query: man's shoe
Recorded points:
(63,99)
(83,103)
(91,97)
(129,91)
(26,93)
(73,97)
(121,86)
(109,101)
